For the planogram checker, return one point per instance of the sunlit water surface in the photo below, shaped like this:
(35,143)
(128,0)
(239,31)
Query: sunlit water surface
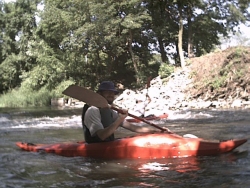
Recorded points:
(26,169)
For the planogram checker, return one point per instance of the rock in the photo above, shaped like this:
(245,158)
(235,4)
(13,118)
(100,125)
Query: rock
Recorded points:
(236,103)
(57,102)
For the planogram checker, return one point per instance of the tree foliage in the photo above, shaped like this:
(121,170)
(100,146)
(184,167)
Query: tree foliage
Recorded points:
(94,40)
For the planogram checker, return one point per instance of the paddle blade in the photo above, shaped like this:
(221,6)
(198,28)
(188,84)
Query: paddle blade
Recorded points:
(86,95)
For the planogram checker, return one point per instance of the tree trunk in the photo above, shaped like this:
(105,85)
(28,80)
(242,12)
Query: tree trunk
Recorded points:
(130,39)
(190,33)
(162,50)
(181,55)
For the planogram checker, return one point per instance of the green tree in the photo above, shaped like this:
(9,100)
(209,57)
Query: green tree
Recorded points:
(17,24)
(104,40)
(93,40)
(164,28)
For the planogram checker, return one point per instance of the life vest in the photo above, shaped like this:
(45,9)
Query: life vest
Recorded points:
(106,119)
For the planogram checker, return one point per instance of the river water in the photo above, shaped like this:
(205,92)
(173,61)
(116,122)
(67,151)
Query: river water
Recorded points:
(46,125)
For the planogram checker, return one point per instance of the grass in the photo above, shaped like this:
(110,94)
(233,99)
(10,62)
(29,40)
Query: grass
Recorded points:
(21,98)
(218,82)
(27,97)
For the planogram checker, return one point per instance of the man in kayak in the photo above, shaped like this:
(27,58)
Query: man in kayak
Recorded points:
(99,124)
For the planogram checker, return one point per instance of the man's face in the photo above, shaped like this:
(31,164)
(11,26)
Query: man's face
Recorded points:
(109,96)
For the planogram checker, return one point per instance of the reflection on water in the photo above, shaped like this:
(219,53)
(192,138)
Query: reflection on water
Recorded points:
(180,165)
(26,169)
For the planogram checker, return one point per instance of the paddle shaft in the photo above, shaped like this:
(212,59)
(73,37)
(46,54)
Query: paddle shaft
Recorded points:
(136,117)
(148,85)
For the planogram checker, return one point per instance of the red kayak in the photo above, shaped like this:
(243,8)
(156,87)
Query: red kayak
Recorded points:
(148,118)
(150,146)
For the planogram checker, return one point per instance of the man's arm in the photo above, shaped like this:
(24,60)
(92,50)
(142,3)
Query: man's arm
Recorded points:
(106,132)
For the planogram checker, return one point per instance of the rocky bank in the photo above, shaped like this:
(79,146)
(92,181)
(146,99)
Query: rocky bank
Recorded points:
(216,80)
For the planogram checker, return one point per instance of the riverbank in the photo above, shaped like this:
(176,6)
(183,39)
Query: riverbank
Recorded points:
(219,80)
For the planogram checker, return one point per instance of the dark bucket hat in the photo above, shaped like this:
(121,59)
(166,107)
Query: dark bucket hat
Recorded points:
(107,86)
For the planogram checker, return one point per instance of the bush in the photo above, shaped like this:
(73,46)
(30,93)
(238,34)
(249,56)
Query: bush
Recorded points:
(27,97)
(57,92)
(166,70)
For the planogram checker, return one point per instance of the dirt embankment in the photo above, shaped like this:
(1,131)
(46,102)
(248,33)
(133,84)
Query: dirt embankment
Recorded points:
(221,75)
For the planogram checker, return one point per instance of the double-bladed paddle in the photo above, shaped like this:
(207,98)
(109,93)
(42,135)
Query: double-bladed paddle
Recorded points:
(94,99)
